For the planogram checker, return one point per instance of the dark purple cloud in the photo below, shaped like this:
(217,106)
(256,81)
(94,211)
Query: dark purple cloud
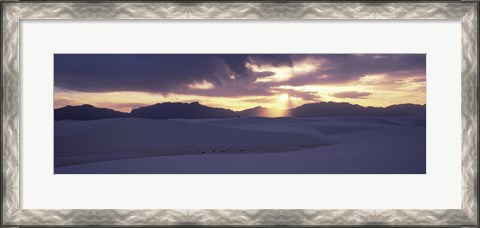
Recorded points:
(229,73)
(275,60)
(155,72)
(339,68)
(352,95)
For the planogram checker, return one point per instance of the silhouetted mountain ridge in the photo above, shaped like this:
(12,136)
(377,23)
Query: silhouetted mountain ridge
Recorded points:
(196,110)
(87,112)
(170,110)
(257,111)
(346,109)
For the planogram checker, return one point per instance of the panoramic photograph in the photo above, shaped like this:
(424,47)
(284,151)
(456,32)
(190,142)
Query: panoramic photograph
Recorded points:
(239,114)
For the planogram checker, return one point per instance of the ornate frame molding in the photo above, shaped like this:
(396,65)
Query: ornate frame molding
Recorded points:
(13,12)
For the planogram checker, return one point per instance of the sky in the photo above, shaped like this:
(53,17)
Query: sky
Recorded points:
(238,81)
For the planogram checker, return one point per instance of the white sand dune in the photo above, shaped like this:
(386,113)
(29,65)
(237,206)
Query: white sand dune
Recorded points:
(134,134)
(243,145)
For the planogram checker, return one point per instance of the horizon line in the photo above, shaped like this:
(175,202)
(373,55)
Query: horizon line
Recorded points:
(239,110)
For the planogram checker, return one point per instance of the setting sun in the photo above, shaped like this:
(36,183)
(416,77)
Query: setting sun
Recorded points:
(284,97)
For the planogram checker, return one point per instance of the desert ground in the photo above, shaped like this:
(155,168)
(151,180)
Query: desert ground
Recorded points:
(250,145)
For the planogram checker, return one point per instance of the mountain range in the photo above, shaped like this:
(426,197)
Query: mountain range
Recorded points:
(196,110)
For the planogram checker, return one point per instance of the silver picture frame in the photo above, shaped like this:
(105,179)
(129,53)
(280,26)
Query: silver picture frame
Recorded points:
(13,12)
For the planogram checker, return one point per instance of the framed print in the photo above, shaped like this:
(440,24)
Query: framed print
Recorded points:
(244,114)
